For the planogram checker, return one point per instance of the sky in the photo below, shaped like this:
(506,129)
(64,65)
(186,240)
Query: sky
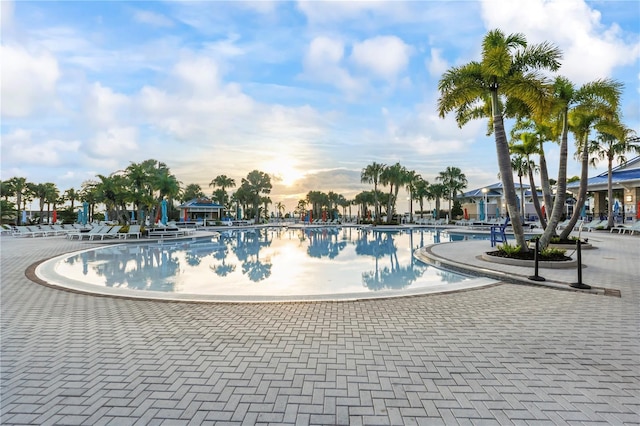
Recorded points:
(309,92)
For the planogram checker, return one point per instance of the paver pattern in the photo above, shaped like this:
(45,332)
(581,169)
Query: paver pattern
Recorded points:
(507,354)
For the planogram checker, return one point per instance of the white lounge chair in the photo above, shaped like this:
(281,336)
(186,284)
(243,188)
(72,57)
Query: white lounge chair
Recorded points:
(633,228)
(111,232)
(593,225)
(134,230)
(81,235)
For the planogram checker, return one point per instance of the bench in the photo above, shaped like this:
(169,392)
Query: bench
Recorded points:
(498,234)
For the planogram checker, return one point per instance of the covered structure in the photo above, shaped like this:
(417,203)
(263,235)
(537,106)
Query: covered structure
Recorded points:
(488,202)
(201,209)
(625,180)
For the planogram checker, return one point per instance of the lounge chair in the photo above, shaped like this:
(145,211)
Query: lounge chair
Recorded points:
(81,235)
(133,230)
(633,228)
(24,231)
(593,225)
(112,232)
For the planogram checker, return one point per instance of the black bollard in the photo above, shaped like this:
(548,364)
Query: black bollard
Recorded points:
(580,284)
(536,277)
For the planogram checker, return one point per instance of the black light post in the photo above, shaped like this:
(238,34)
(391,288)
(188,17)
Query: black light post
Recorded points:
(535,276)
(579,284)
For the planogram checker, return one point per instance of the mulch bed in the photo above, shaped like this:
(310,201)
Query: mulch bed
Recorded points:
(529,255)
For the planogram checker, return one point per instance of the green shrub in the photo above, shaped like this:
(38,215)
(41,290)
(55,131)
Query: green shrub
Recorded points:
(508,249)
(552,252)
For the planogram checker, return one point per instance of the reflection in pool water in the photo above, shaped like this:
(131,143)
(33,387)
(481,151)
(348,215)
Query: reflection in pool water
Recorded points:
(267,262)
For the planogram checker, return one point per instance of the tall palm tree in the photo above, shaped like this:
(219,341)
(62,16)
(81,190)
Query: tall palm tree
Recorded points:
(371,174)
(280,207)
(579,110)
(454,181)
(613,143)
(509,70)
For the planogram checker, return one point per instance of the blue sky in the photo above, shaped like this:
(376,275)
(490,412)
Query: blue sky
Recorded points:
(310,92)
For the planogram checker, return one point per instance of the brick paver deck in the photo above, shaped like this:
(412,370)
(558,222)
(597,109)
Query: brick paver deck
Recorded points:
(507,354)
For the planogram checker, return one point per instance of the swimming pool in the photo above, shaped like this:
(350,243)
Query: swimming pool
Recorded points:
(260,265)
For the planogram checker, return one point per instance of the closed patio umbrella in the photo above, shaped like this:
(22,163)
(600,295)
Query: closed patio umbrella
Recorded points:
(482,210)
(54,219)
(85,213)
(164,218)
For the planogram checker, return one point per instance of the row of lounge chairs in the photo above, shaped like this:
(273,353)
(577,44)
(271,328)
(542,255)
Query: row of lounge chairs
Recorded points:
(431,222)
(42,230)
(106,231)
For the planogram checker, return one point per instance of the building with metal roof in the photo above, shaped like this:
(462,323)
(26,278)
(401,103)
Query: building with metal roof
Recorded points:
(625,181)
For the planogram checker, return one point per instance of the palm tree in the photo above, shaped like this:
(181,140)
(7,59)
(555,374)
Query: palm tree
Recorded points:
(421,191)
(438,191)
(19,186)
(454,181)
(508,72)
(412,179)
(530,145)
(255,184)
(579,110)
(371,174)
(280,207)
(395,176)
(520,166)
(613,142)
(223,182)
(193,190)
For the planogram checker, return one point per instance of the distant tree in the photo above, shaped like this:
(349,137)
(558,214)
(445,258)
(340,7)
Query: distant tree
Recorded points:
(257,184)
(454,181)
(193,190)
(438,191)
(371,174)
(223,182)
(394,176)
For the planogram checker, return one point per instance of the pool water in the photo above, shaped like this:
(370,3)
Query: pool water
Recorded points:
(263,262)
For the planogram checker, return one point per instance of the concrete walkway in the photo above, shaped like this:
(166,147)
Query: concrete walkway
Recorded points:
(506,354)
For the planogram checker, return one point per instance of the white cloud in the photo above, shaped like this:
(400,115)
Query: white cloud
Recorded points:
(436,64)
(323,63)
(28,80)
(22,147)
(152,18)
(104,107)
(590,49)
(114,142)
(384,56)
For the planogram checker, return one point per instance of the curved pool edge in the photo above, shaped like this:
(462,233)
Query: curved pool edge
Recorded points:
(42,273)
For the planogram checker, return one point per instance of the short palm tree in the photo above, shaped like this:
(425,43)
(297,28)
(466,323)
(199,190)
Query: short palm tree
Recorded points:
(613,143)
(508,71)
(454,181)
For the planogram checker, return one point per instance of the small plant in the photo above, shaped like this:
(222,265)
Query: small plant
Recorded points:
(552,252)
(508,249)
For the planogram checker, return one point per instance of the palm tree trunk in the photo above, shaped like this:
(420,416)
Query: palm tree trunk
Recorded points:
(546,188)
(536,201)
(610,193)
(506,175)
(582,191)
(558,204)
